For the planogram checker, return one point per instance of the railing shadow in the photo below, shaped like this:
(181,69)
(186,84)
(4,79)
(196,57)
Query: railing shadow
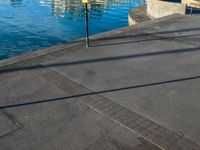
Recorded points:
(98,92)
(129,35)
(119,36)
(145,40)
(98,60)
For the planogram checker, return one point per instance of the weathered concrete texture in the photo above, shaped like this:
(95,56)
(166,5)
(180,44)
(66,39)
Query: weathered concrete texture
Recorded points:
(67,125)
(150,64)
(159,8)
(150,70)
(138,15)
(8,125)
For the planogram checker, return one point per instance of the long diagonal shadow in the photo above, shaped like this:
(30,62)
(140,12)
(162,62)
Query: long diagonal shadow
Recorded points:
(144,40)
(97,60)
(148,34)
(98,92)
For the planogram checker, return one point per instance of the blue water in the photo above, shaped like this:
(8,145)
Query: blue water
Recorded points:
(27,25)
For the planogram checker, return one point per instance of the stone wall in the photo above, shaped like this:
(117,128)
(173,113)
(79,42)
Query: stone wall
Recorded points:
(157,8)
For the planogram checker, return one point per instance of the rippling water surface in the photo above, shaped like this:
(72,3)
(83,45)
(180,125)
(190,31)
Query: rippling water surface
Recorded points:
(27,25)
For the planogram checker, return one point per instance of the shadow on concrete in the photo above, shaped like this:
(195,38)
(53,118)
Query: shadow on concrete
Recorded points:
(145,40)
(118,36)
(141,34)
(97,60)
(99,92)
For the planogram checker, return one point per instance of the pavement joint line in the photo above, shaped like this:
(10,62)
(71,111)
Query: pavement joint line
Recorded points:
(105,105)
(12,118)
(134,120)
(106,108)
(97,104)
(93,100)
(9,133)
(143,132)
(116,117)
(140,120)
(15,122)
(129,120)
(123,116)
(173,138)
(100,107)
(153,127)
(121,124)
(146,124)
(115,111)
(133,125)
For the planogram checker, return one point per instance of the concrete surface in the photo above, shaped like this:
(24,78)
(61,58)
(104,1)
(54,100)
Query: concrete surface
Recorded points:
(159,8)
(67,125)
(143,61)
(138,15)
(151,69)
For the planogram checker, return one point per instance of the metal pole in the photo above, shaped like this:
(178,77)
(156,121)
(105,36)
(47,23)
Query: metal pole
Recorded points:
(86,25)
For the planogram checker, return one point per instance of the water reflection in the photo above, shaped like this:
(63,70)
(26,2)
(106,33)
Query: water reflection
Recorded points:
(16,2)
(27,25)
(4,1)
(74,9)
(71,9)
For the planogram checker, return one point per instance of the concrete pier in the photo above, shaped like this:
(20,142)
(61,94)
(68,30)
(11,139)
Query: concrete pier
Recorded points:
(161,8)
(134,88)
(138,15)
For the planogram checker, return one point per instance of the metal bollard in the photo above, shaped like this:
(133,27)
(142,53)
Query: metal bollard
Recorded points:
(86,22)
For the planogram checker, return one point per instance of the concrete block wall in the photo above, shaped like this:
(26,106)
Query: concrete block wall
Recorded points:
(157,8)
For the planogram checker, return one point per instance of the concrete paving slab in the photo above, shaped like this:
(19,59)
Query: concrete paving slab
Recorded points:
(20,85)
(161,77)
(69,124)
(188,30)
(7,125)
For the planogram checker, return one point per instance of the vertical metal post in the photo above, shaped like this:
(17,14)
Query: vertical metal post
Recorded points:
(86,25)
